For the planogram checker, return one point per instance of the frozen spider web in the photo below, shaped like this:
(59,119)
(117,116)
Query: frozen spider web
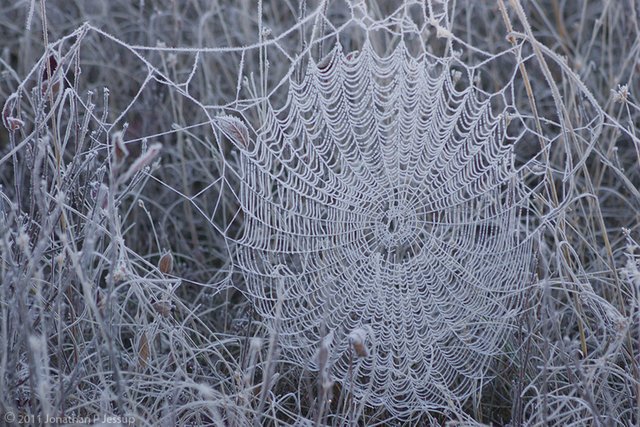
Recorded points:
(383,215)
(381,198)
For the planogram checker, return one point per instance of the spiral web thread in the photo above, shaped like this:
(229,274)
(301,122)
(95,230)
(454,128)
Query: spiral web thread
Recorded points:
(382,198)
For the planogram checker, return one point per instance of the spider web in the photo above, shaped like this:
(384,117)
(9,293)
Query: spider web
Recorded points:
(382,196)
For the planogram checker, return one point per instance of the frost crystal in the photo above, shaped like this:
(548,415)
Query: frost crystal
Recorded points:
(382,198)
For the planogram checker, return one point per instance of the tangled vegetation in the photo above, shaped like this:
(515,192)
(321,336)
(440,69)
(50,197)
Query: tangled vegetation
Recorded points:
(320,212)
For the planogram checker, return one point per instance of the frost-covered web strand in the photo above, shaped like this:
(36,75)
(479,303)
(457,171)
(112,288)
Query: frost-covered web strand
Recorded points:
(380,197)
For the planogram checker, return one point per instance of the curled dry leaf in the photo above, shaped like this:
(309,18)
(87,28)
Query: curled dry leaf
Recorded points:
(9,120)
(14,124)
(235,130)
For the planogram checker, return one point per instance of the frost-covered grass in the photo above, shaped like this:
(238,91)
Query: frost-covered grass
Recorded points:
(120,289)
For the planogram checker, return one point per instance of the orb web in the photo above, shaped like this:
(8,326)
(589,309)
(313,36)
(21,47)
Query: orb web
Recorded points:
(382,197)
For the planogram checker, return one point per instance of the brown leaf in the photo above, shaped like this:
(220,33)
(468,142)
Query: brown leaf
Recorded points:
(235,130)
(166,263)
(164,308)
(50,67)
(143,350)
(51,80)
